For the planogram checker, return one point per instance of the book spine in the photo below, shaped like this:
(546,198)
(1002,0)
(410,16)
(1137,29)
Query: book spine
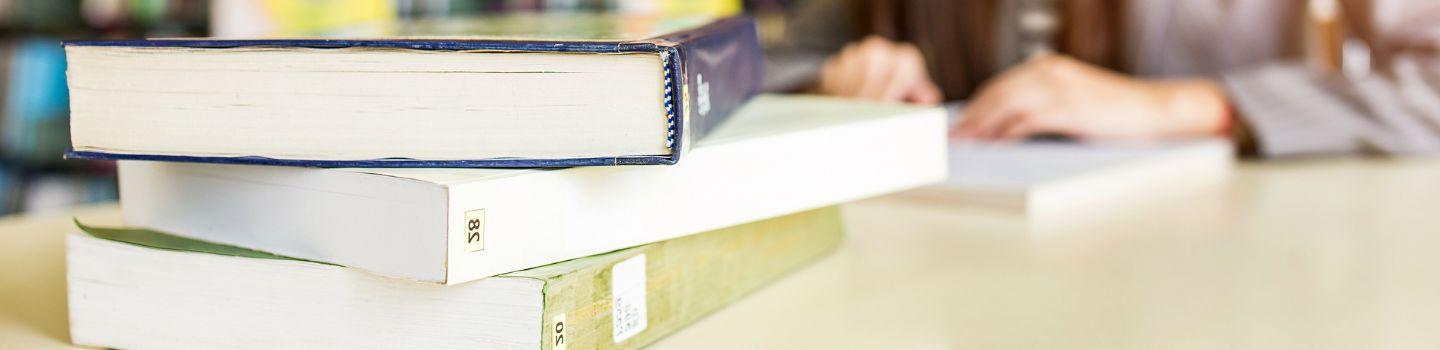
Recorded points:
(651,291)
(720,69)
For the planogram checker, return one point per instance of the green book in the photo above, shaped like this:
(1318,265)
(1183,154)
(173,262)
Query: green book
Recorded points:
(131,288)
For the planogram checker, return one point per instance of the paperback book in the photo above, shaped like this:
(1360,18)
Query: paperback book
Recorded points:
(779,155)
(138,289)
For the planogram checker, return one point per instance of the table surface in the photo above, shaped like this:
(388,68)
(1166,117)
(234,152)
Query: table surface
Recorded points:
(1341,254)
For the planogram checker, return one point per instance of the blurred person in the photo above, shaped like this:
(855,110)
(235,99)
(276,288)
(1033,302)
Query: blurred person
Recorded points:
(1281,77)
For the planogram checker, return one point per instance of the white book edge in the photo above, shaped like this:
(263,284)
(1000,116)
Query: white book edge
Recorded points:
(1172,168)
(128,296)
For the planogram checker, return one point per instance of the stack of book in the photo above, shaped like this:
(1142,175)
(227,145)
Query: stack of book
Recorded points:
(479,193)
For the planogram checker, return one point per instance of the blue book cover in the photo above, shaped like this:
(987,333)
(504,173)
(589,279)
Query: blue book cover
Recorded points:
(710,68)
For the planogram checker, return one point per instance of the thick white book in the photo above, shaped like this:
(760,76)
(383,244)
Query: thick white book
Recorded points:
(1041,177)
(778,155)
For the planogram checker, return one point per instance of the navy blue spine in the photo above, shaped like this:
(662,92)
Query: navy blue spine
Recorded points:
(722,69)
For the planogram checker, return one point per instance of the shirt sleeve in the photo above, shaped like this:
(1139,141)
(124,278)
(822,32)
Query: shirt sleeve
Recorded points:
(1394,109)
(1293,110)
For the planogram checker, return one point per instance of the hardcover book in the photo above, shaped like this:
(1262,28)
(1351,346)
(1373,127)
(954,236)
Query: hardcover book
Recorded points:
(147,290)
(507,91)
(777,156)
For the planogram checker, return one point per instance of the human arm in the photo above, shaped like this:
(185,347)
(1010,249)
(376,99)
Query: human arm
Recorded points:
(1283,108)
(1054,94)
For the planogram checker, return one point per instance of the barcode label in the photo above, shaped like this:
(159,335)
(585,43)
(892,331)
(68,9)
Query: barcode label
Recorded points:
(475,230)
(627,291)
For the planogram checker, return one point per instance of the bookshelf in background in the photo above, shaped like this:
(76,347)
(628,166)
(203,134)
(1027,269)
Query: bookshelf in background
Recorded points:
(34,103)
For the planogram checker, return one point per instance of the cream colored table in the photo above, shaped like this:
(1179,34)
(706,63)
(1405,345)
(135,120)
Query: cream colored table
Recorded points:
(1302,255)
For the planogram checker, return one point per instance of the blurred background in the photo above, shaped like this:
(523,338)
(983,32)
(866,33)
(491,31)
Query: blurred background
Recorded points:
(33,100)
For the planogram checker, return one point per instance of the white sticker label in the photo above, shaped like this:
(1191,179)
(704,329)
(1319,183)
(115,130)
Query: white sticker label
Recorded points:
(557,325)
(627,290)
(475,230)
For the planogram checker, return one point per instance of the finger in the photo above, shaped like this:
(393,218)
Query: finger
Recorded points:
(856,68)
(1014,128)
(840,73)
(986,106)
(1037,123)
(980,105)
(877,57)
(986,100)
(955,132)
(1006,113)
(1017,90)
(899,80)
(829,73)
(910,78)
(1000,122)
(925,93)
(985,124)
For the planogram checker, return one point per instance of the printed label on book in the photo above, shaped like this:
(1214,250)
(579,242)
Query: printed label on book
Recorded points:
(702,95)
(475,230)
(627,291)
(557,326)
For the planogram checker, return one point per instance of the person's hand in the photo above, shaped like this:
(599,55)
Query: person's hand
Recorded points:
(879,70)
(1057,95)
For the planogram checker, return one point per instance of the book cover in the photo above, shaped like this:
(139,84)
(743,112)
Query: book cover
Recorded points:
(710,68)
(144,289)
